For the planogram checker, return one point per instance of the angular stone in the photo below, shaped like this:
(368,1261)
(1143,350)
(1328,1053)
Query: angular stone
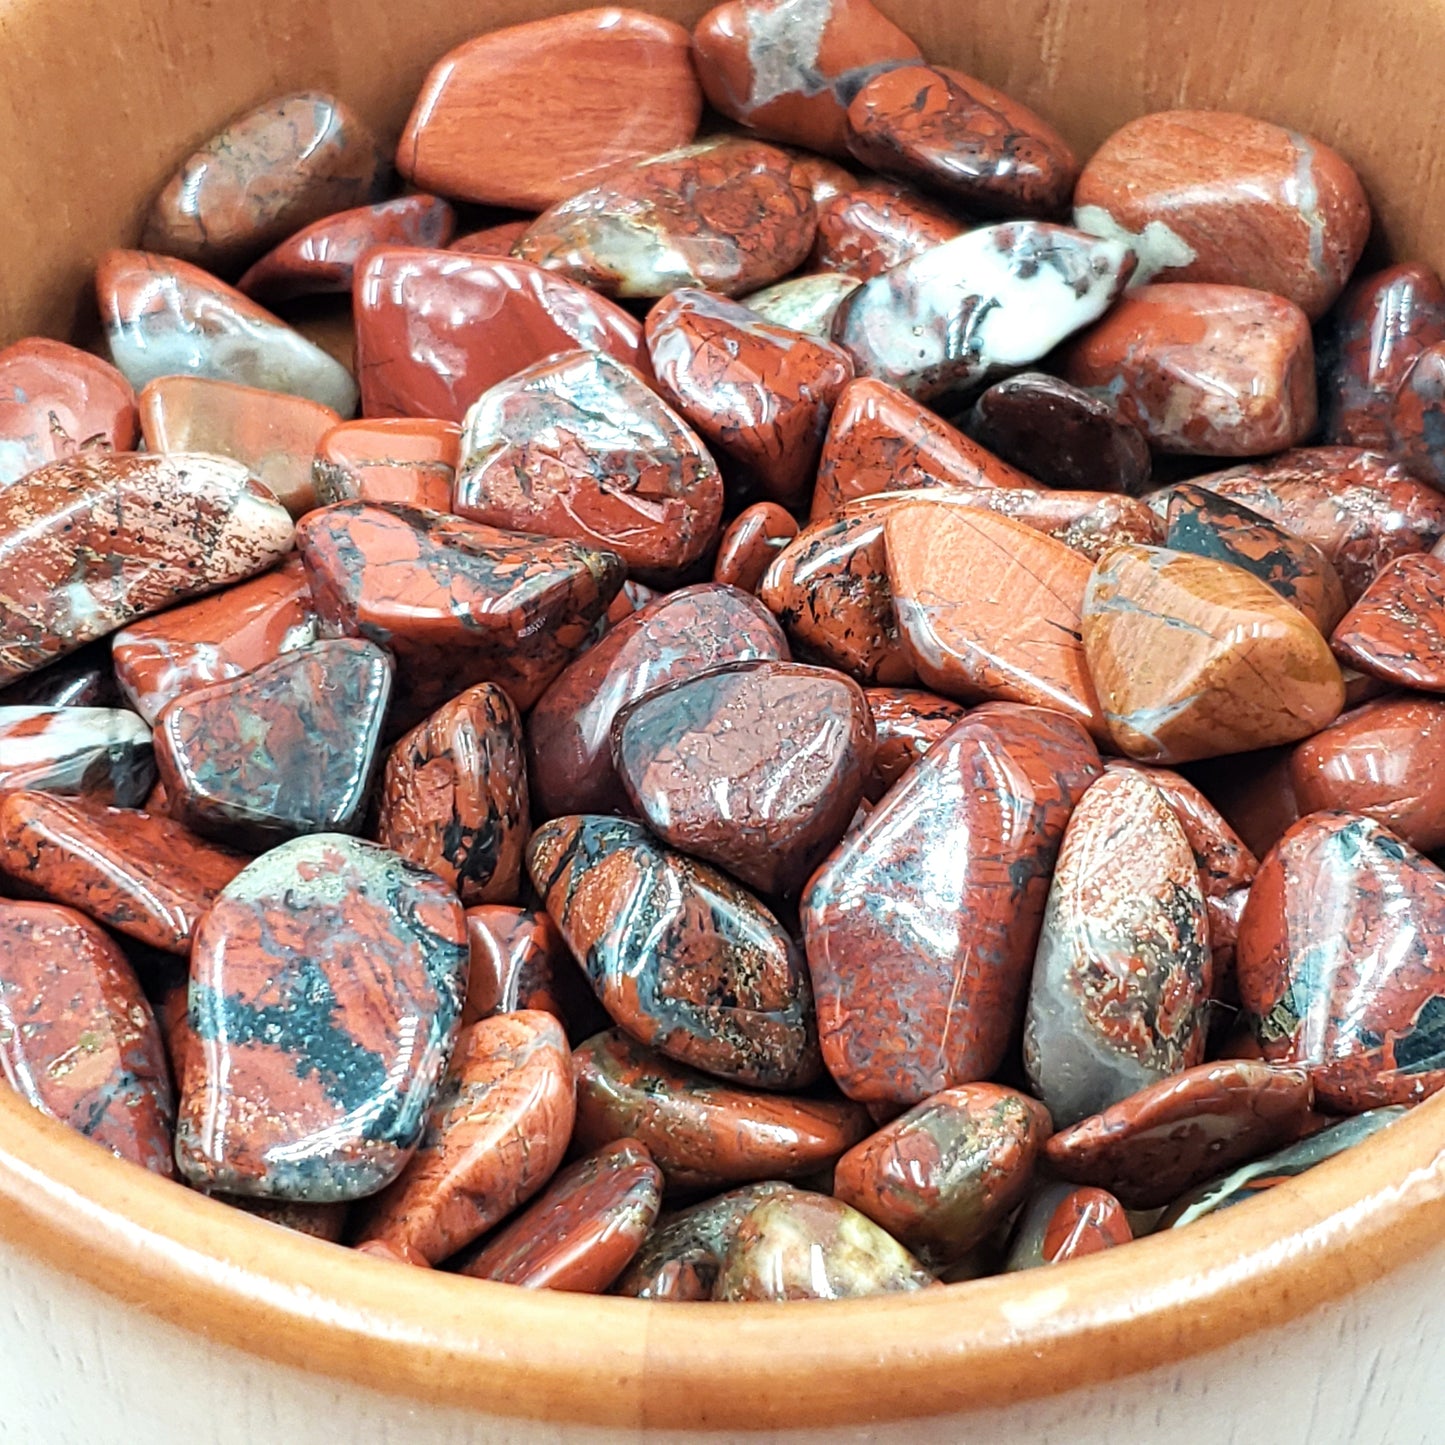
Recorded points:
(920,928)
(870,229)
(326,993)
(407,461)
(166,318)
(287,749)
(680,956)
(580,446)
(492,240)
(906,723)
(1194,658)
(83,678)
(806,304)
(100,753)
(1062,1222)
(454,796)
(520,961)
(750,543)
(1396,631)
(89,543)
(1205,195)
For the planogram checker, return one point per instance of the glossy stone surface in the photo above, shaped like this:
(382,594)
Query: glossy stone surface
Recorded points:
(520,961)
(998,297)
(875,226)
(760,395)
(1208,370)
(454,798)
(1194,658)
(435,329)
(749,544)
(89,543)
(56,400)
(83,678)
(806,304)
(454,602)
(700,1131)
(920,928)
(496,1133)
(569,733)
(726,215)
(823,178)
(1061,1223)
(681,957)
(1341,962)
(1417,418)
(144,876)
(287,749)
(528,115)
(1157,1144)
(97,752)
(1396,631)
(580,446)
(906,723)
(326,992)
(164,317)
(583,1232)
(1205,195)
(408,461)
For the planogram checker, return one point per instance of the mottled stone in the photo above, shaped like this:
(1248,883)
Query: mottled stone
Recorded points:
(754,537)
(520,961)
(906,723)
(408,461)
(805,304)
(875,226)
(1061,1223)
(1417,418)
(100,753)
(1396,630)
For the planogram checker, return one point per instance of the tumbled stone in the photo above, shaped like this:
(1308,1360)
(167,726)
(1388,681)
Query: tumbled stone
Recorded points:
(1205,195)
(100,753)
(326,992)
(725,215)
(906,723)
(920,928)
(806,304)
(750,543)
(164,317)
(1396,630)
(873,227)
(528,115)
(88,543)
(1000,297)
(520,961)
(1341,962)
(823,178)
(454,796)
(569,739)
(83,678)
(580,446)
(701,1131)
(1194,658)
(1062,1222)
(633,597)
(1417,418)
(680,956)
(408,461)
(495,240)
(287,749)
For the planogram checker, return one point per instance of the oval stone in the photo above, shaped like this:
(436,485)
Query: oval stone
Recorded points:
(1062,1222)
(755,536)
(871,228)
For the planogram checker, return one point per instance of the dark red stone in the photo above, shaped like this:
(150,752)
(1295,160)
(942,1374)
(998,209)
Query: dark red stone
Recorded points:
(871,228)
(1396,631)
(1062,1223)
(750,543)
(906,723)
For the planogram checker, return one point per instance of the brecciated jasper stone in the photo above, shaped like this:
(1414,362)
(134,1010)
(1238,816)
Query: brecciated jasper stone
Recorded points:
(435,329)
(409,461)
(326,992)
(1341,961)
(287,749)
(873,227)
(496,1133)
(726,215)
(520,961)
(267,174)
(56,400)
(806,304)
(99,752)
(164,317)
(760,394)
(1062,1222)
(906,723)
(583,1232)
(680,956)
(1205,195)
(920,928)
(1153,1146)
(1210,370)
(943,1176)
(700,1131)
(527,115)
(1194,658)
(755,766)
(454,602)
(89,543)
(580,446)
(998,297)
(145,876)
(1396,631)
(569,732)
(454,796)
(750,543)
(989,609)
(955,134)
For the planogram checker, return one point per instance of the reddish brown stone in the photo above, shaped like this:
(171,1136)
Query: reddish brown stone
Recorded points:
(408,461)
(96,752)
(1417,418)
(633,597)
(750,543)
(495,240)
(808,303)
(520,961)
(873,227)
(906,723)
(1062,1223)
(823,178)
(1396,631)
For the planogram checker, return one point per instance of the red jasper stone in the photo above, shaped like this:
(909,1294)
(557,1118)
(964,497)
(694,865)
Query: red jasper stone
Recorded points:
(528,115)
(807,303)
(823,178)
(1341,961)
(496,1133)
(101,753)
(408,461)
(144,876)
(454,602)
(569,732)
(750,543)
(1063,1223)
(436,329)
(579,446)
(632,598)
(1417,418)
(520,961)
(583,1232)
(454,796)
(726,215)
(1396,631)
(699,1131)
(920,928)
(390,1253)
(492,240)
(906,723)
(759,394)
(56,400)
(871,228)
(77,1037)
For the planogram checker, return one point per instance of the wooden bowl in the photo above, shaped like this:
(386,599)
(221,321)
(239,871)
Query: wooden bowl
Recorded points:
(1313,1314)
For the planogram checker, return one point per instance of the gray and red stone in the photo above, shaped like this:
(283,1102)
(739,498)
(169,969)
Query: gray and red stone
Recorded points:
(872,227)
(749,544)
(1417,418)
(807,304)
(404,460)
(326,993)
(681,957)
(906,723)
(1396,630)
(1062,1222)
(100,753)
